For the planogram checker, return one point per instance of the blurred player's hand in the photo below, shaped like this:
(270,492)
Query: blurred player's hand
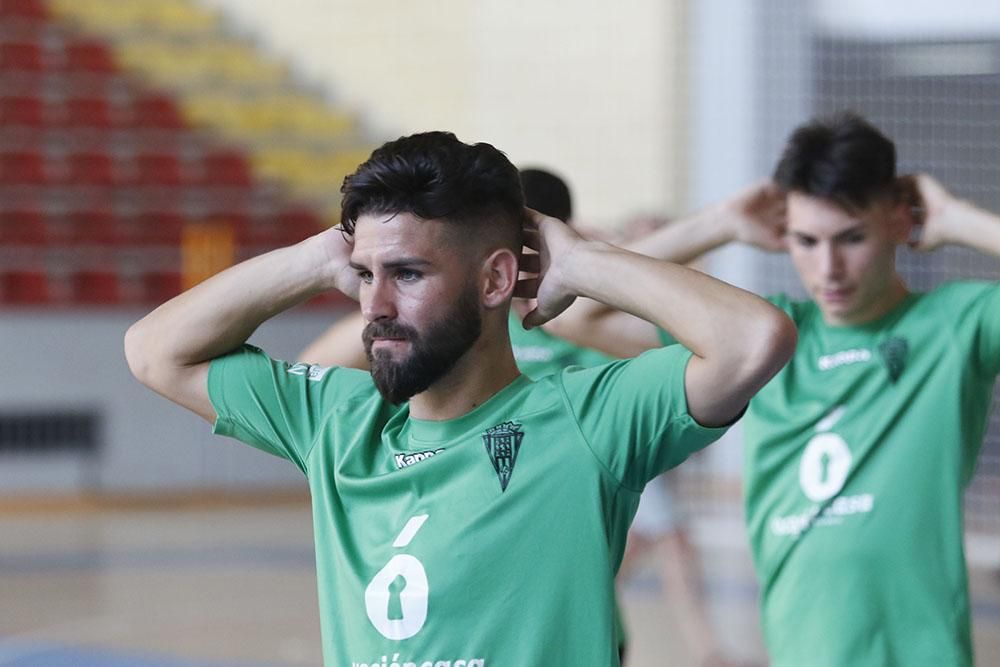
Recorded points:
(549,245)
(338,247)
(929,206)
(759,213)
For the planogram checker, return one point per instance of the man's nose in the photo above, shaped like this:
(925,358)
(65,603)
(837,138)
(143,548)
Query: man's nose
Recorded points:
(377,301)
(831,262)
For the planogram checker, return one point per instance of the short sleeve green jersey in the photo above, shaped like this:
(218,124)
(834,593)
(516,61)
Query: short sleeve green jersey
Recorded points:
(857,455)
(486,540)
(538,353)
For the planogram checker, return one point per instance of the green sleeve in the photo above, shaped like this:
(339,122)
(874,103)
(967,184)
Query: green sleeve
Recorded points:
(981,304)
(276,406)
(634,416)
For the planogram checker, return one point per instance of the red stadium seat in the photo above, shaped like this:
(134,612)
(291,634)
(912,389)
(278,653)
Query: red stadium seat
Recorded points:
(25,287)
(22,168)
(157,228)
(89,56)
(158,169)
(23,228)
(226,168)
(22,56)
(96,286)
(295,224)
(94,227)
(94,112)
(156,112)
(159,286)
(34,10)
(91,169)
(25,111)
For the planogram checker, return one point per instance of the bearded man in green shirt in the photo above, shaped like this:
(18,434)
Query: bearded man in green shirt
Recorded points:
(464,514)
(857,453)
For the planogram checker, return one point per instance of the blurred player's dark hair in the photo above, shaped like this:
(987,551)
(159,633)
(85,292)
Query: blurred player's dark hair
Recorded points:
(547,193)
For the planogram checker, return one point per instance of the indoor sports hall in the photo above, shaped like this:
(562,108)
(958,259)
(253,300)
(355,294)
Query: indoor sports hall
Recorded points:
(146,145)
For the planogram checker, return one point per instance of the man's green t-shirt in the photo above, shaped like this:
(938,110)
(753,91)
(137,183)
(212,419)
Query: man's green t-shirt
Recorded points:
(857,455)
(491,539)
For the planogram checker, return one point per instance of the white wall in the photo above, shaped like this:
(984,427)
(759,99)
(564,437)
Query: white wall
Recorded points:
(65,360)
(589,88)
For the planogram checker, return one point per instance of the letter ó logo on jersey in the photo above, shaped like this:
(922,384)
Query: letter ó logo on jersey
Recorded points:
(503,442)
(826,461)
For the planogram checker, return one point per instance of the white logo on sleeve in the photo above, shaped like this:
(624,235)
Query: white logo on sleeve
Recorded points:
(310,371)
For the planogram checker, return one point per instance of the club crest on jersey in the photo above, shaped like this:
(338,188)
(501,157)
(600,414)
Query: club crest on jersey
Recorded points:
(503,442)
(893,351)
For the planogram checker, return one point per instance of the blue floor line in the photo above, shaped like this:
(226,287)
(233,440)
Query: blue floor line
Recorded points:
(16,653)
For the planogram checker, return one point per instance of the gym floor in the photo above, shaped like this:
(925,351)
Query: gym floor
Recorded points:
(234,586)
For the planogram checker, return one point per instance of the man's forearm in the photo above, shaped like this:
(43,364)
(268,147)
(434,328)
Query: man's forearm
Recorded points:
(974,227)
(685,240)
(219,314)
(701,312)
(679,242)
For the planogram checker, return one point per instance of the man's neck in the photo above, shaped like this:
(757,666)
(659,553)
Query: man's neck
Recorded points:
(894,294)
(476,378)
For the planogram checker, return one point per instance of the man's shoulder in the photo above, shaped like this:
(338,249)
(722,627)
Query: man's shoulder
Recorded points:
(797,309)
(959,292)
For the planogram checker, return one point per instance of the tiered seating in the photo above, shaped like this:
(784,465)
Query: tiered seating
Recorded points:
(104,180)
(225,84)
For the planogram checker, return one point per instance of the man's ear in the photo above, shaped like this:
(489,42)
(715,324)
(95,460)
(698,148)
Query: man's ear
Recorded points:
(498,277)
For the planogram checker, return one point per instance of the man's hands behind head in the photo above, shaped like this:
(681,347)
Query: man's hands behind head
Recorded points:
(759,216)
(548,260)
(338,246)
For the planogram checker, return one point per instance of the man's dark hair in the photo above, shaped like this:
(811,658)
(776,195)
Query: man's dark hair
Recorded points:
(843,158)
(546,193)
(434,176)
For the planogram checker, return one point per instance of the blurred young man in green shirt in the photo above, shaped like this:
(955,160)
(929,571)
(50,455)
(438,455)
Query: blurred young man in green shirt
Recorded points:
(857,452)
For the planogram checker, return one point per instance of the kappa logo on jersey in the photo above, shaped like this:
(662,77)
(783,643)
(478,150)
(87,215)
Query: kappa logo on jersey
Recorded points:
(855,356)
(503,442)
(310,371)
(894,351)
(406,460)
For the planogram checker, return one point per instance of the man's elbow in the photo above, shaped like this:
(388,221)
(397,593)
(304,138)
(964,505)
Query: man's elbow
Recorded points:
(774,346)
(138,354)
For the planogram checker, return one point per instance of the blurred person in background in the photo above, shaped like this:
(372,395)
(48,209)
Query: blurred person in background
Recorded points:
(858,452)
(463,513)
(657,526)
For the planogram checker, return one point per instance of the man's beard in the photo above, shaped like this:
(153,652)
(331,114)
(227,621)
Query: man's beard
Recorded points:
(432,354)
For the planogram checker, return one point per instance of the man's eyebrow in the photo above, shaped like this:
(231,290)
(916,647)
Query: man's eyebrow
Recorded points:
(405,262)
(850,231)
(394,264)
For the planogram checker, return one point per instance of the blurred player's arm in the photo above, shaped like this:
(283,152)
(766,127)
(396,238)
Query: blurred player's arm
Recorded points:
(169,350)
(755,216)
(948,220)
(739,341)
(339,345)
